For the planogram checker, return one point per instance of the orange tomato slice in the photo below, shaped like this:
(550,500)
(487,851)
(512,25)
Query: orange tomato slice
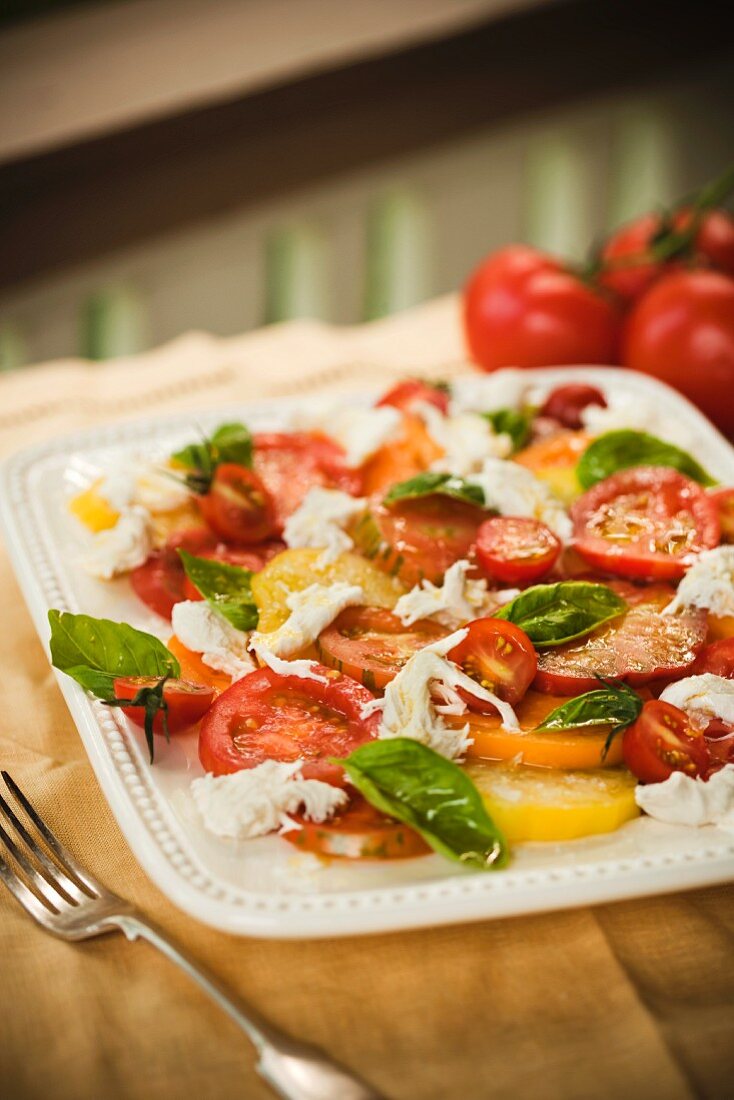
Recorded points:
(194,669)
(401,459)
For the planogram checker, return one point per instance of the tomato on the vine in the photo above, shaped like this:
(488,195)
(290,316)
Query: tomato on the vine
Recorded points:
(186,703)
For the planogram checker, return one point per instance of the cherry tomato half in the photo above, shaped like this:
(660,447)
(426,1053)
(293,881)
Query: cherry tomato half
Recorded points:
(522,310)
(642,646)
(645,522)
(419,538)
(566,403)
(265,716)
(372,645)
(238,507)
(405,394)
(359,831)
(717,658)
(186,703)
(500,657)
(516,549)
(291,463)
(661,742)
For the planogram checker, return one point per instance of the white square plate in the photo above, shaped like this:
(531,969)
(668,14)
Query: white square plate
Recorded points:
(263,887)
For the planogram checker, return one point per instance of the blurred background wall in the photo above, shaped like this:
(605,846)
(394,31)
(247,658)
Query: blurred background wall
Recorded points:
(173,164)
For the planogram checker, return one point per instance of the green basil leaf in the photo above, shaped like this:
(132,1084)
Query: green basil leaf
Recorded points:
(551,614)
(95,651)
(613,705)
(229,443)
(407,780)
(226,587)
(517,423)
(431,483)
(622,449)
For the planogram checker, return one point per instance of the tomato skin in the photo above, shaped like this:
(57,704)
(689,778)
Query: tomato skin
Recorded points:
(187,702)
(522,310)
(516,549)
(359,831)
(716,658)
(662,741)
(500,657)
(412,452)
(372,645)
(265,716)
(237,506)
(160,581)
(291,463)
(566,403)
(682,332)
(715,239)
(418,539)
(653,500)
(724,500)
(405,394)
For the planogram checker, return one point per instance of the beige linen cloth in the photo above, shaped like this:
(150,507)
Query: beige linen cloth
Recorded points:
(628,1000)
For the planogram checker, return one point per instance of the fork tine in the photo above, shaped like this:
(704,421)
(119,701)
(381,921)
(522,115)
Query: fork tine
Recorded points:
(26,897)
(62,854)
(53,896)
(50,871)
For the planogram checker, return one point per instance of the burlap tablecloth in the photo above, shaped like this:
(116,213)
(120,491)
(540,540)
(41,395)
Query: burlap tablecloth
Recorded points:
(628,1000)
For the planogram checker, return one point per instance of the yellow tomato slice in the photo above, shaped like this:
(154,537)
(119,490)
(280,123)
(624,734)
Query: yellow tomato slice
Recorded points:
(546,805)
(93,510)
(294,570)
(554,461)
(574,748)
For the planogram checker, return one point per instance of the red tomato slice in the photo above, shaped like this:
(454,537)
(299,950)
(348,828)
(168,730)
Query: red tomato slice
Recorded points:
(566,403)
(160,581)
(291,463)
(724,500)
(405,394)
(358,832)
(643,646)
(420,538)
(238,507)
(372,645)
(187,703)
(719,738)
(500,657)
(661,742)
(646,523)
(516,549)
(265,716)
(717,658)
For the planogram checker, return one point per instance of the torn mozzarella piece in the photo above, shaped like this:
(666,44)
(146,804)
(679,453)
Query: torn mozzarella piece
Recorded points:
(502,389)
(512,490)
(311,611)
(203,630)
(256,801)
(409,710)
(456,601)
(708,584)
(360,431)
(122,547)
(304,670)
(466,439)
(160,491)
(682,800)
(703,698)
(319,521)
(117,488)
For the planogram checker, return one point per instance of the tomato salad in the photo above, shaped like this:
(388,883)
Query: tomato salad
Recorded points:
(424,627)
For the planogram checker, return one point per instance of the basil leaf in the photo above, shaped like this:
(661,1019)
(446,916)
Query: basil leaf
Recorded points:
(432,795)
(95,651)
(551,614)
(517,423)
(226,587)
(614,705)
(622,449)
(429,484)
(229,443)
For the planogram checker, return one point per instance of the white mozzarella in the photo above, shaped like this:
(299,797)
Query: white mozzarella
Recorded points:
(512,490)
(702,698)
(708,584)
(120,548)
(682,800)
(203,630)
(311,611)
(320,520)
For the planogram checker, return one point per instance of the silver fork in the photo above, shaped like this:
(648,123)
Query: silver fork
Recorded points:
(65,899)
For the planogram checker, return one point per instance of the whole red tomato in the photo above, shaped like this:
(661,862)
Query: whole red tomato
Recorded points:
(713,245)
(682,331)
(521,309)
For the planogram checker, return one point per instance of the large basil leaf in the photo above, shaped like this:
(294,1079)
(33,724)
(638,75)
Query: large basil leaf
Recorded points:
(226,587)
(622,449)
(614,705)
(551,614)
(229,443)
(432,795)
(517,423)
(95,651)
(430,483)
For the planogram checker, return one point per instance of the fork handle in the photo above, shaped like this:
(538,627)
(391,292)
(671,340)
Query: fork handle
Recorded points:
(296,1071)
